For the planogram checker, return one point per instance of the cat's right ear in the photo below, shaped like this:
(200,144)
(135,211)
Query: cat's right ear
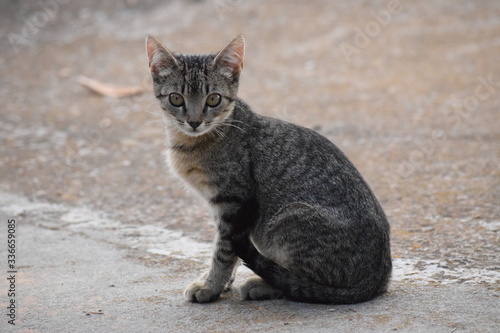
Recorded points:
(161,60)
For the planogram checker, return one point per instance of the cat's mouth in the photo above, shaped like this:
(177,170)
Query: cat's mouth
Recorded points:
(194,129)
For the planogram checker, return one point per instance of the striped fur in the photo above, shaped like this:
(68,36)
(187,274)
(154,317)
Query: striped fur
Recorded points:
(287,201)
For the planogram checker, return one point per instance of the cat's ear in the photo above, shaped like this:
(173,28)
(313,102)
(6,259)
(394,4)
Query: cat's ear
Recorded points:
(230,59)
(161,60)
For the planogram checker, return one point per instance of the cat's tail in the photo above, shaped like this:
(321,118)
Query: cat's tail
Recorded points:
(302,289)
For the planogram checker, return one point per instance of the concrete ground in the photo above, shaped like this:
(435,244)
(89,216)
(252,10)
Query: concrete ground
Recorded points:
(106,239)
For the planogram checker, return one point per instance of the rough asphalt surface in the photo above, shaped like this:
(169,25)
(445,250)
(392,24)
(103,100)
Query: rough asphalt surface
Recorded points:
(106,239)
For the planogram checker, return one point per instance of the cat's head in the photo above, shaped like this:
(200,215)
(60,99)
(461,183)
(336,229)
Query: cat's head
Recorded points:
(196,92)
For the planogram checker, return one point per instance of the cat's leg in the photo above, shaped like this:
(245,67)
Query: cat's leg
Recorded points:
(235,215)
(211,284)
(229,284)
(291,237)
(297,238)
(233,276)
(257,289)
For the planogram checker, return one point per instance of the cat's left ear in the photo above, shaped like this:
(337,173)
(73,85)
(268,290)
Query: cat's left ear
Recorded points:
(230,59)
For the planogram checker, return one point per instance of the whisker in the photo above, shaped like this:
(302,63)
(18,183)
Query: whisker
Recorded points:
(222,134)
(217,131)
(231,125)
(152,103)
(236,121)
(153,121)
(149,122)
(213,133)
(156,113)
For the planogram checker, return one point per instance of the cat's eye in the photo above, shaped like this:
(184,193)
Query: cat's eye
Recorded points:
(213,100)
(176,99)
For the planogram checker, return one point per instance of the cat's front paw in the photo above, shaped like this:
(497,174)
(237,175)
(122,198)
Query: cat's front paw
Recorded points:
(198,292)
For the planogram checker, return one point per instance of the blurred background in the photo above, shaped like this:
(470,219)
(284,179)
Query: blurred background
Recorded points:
(409,90)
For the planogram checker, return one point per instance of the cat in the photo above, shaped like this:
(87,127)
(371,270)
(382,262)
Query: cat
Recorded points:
(286,200)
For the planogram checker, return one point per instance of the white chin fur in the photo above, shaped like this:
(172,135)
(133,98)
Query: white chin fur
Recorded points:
(194,133)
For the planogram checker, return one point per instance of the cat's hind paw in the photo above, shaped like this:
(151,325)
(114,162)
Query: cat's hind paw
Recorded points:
(257,289)
(198,292)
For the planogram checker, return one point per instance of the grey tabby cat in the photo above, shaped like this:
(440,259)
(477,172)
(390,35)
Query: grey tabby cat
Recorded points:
(286,200)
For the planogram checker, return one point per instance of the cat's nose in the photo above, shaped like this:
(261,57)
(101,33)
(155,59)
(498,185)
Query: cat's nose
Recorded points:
(194,124)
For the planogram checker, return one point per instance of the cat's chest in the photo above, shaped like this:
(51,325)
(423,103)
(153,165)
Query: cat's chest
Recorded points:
(189,167)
